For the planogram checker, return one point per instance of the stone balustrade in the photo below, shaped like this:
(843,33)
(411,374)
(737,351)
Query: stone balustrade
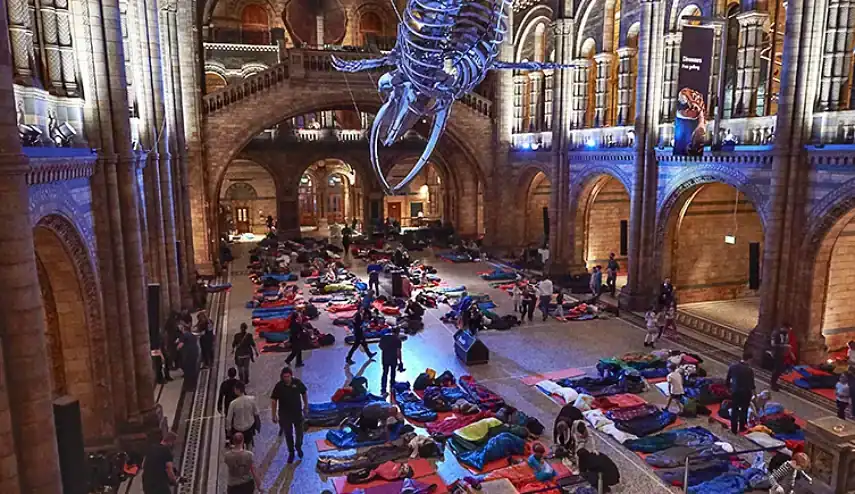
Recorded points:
(534,141)
(603,137)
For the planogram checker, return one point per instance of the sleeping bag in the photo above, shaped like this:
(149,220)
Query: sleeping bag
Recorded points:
(500,446)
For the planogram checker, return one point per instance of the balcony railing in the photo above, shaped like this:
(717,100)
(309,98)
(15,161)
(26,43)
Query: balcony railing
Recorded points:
(532,141)
(604,137)
(478,103)
(317,135)
(750,131)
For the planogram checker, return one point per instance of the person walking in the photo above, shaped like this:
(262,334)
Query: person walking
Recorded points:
(780,343)
(671,319)
(559,304)
(390,348)
(346,239)
(612,269)
(516,297)
(666,293)
(675,387)
(296,337)
(651,320)
(358,338)
(227,391)
(289,401)
(530,302)
(245,351)
(544,292)
(740,381)
(188,345)
(243,415)
(596,282)
(205,330)
(242,477)
(158,468)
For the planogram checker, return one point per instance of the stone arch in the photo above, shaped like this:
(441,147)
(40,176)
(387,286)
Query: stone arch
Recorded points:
(77,342)
(255,24)
(533,184)
(585,31)
(597,226)
(241,191)
(690,239)
(453,185)
(674,20)
(632,34)
(822,305)
(248,192)
(537,18)
(364,14)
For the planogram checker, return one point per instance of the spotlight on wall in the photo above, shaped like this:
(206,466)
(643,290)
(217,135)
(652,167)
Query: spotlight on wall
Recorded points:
(62,134)
(423,190)
(590,142)
(526,145)
(730,239)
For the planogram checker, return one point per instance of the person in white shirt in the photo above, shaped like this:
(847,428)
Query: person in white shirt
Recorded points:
(544,291)
(651,319)
(242,415)
(516,296)
(675,387)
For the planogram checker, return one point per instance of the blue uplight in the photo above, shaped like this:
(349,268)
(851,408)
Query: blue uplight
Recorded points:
(590,142)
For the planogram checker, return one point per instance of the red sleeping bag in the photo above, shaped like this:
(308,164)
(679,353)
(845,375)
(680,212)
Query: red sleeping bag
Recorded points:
(342,308)
(272,325)
(389,310)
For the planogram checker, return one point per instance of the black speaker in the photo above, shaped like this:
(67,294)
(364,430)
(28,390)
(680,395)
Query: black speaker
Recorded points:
(469,349)
(69,442)
(397,285)
(754,265)
(154,315)
(624,237)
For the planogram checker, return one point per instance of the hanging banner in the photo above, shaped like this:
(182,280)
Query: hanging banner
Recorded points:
(693,81)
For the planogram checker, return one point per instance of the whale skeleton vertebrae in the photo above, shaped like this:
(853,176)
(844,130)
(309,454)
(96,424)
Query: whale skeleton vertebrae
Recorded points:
(444,49)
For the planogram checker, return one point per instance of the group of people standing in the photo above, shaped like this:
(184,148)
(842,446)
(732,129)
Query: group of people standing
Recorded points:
(536,295)
(662,316)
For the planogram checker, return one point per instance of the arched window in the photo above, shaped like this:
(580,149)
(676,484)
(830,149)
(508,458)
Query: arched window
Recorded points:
(370,26)
(589,48)
(213,82)
(730,59)
(255,25)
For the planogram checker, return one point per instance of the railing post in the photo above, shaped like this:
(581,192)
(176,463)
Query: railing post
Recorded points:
(686,476)
(296,69)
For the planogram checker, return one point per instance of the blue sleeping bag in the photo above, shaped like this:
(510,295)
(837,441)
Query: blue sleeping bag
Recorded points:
(279,278)
(486,305)
(500,446)
(498,275)
(214,288)
(271,312)
(413,407)
(275,337)
(333,412)
(450,289)
(375,268)
(347,438)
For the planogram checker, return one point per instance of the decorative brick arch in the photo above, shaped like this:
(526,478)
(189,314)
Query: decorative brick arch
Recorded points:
(65,263)
(584,189)
(524,188)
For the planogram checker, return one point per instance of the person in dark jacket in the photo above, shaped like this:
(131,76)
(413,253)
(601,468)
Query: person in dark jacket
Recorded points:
(205,329)
(740,381)
(296,337)
(780,343)
(358,337)
(227,391)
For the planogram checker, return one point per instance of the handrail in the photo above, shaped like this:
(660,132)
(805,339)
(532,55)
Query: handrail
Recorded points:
(253,84)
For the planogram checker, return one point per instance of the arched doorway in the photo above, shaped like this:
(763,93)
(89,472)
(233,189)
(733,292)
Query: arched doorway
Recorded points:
(537,197)
(602,224)
(329,192)
(73,323)
(308,201)
(247,197)
(338,198)
(255,25)
(426,198)
(712,252)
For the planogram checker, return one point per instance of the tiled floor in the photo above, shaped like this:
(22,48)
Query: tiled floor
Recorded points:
(741,313)
(532,348)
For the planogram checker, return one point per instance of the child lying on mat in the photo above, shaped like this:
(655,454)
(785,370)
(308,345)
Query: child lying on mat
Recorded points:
(537,461)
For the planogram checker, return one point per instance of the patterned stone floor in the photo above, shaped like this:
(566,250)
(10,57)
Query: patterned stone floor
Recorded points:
(532,348)
(741,313)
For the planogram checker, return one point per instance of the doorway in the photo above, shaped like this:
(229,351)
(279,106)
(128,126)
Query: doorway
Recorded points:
(394,211)
(242,220)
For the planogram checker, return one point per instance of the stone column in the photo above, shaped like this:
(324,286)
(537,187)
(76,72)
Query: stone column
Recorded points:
(50,38)
(603,95)
(319,29)
(780,298)
(196,205)
(535,102)
(626,86)
(642,277)
(751,25)
(561,218)
(66,48)
(581,71)
(21,40)
(714,72)
(22,322)
(672,69)
(837,55)
(518,103)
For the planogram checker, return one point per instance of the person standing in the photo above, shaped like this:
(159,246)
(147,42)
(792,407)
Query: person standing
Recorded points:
(675,387)
(850,374)
(288,402)
(544,292)
(651,320)
(596,281)
(243,415)
(671,319)
(666,293)
(158,476)
(243,346)
(242,478)
(227,391)
(740,381)
(612,269)
(188,344)
(842,396)
(374,282)
(559,304)
(295,337)
(346,239)
(390,348)
(205,330)
(269,222)
(358,337)
(780,343)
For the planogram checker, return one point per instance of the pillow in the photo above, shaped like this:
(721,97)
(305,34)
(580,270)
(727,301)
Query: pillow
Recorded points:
(597,418)
(619,435)
(583,402)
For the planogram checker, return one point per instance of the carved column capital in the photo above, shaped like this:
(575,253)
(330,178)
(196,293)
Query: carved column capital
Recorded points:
(752,19)
(563,27)
(626,52)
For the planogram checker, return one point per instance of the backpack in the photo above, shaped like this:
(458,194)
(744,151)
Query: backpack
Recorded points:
(326,339)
